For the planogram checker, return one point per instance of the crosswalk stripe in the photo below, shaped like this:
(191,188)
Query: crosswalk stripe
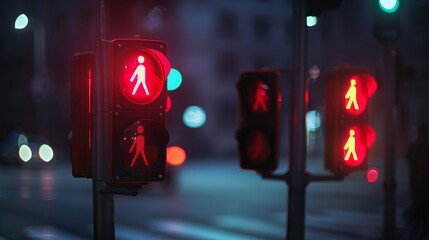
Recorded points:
(338,223)
(191,230)
(318,235)
(123,232)
(46,232)
(251,225)
(336,216)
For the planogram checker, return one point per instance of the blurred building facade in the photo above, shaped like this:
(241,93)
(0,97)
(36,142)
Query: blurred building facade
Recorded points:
(218,40)
(210,42)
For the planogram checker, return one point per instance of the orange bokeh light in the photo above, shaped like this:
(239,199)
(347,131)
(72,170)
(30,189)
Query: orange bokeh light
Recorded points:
(176,155)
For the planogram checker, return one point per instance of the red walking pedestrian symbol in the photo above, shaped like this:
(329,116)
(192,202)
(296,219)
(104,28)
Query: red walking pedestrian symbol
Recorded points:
(139,146)
(261,97)
(350,146)
(351,96)
(140,73)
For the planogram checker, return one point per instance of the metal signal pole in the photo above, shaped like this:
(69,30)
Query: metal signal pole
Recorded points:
(297,177)
(103,202)
(389,185)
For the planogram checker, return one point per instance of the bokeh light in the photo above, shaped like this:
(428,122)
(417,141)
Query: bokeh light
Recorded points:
(372,175)
(312,120)
(389,6)
(175,155)
(311,21)
(194,117)
(21,21)
(174,79)
(46,153)
(25,153)
(22,140)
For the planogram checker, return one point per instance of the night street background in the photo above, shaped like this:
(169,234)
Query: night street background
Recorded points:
(210,42)
(211,200)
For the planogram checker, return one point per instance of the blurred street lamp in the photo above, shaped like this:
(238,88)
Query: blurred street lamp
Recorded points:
(21,21)
(38,28)
(39,83)
(154,19)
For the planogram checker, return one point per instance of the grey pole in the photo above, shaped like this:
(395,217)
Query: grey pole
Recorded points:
(103,203)
(297,177)
(389,145)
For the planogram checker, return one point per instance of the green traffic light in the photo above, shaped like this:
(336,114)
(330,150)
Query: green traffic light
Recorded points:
(389,6)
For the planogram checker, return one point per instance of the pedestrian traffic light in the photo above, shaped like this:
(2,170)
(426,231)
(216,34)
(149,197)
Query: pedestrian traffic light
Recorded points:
(258,134)
(138,74)
(386,20)
(81,105)
(348,133)
(316,7)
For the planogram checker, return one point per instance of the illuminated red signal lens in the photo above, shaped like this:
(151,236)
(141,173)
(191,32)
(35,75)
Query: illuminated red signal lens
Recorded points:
(142,78)
(257,149)
(355,95)
(372,175)
(164,61)
(371,84)
(354,147)
(370,135)
(258,98)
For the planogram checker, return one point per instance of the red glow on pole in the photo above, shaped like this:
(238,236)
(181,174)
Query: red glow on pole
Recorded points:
(307,97)
(89,107)
(168,107)
(89,90)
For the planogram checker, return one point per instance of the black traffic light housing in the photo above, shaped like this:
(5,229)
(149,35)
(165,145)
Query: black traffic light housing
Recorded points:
(258,134)
(386,23)
(81,114)
(348,134)
(316,7)
(139,89)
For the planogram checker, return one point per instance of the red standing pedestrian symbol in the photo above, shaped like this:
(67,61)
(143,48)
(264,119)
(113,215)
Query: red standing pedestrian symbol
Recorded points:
(139,146)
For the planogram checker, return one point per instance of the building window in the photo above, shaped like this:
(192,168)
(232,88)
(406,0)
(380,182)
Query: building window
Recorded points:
(227,65)
(261,62)
(227,24)
(227,112)
(262,27)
